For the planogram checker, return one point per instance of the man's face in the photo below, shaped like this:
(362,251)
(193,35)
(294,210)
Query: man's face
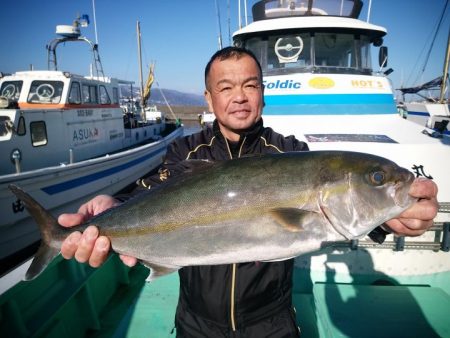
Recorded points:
(235,95)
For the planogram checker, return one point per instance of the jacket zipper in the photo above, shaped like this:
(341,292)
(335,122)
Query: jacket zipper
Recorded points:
(233,274)
(233,284)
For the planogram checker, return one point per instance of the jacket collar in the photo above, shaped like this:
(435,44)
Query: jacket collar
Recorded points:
(249,135)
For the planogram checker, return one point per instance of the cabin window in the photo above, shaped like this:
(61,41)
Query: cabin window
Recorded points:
(11,90)
(38,133)
(90,94)
(21,128)
(319,52)
(292,51)
(116,95)
(6,126)
(342,53)
(334,50)
(104,97)
(75,93)
(45,92)
(364,47)
(277,54)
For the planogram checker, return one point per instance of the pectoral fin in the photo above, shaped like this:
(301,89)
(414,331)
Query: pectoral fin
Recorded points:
(157,270)
(291,219)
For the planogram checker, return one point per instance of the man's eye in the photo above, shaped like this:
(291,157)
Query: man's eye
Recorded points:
(252,86)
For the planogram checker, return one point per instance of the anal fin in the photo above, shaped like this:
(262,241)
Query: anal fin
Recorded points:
(42,258)
(157,270)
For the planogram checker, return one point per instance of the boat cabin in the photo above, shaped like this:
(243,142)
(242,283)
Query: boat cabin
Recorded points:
(56,89)
(310,36)
(315,56)
(53,117)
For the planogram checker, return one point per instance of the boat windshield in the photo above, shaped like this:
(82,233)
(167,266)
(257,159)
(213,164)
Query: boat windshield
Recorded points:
(268,9)
(339,53)
(11,90)
(45,92)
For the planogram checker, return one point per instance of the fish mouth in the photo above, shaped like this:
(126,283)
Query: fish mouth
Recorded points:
(400,192)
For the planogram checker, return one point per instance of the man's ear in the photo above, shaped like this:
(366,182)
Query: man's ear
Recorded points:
(209,100)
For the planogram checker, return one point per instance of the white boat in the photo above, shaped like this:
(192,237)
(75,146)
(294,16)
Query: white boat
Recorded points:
(206,118)
(64,138)
(433,111)
(320,86)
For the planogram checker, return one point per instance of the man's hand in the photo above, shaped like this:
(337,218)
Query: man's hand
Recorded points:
(89,246)
(419,217)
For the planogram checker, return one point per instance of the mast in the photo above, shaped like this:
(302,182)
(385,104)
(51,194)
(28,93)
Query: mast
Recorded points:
(445,75)
(141,82)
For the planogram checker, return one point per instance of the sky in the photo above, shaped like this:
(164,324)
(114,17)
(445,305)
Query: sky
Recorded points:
(180,36)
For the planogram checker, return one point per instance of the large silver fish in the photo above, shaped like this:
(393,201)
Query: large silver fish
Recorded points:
(262,208)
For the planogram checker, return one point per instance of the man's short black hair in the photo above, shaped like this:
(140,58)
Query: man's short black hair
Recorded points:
(228,53)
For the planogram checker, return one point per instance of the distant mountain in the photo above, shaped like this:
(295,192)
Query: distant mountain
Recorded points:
(174,97)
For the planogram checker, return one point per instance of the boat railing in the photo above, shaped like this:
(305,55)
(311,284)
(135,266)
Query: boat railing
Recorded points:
(440,241)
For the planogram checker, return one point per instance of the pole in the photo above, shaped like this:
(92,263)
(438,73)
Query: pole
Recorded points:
(239,14)
(95,22)
(369,10)
(445,75)
(245,12)
(229,23)
(141,82)
(218,26)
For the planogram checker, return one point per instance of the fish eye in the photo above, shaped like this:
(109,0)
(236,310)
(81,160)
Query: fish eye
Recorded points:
(377,177)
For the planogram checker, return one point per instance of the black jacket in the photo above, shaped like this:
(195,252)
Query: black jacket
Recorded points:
(229,296)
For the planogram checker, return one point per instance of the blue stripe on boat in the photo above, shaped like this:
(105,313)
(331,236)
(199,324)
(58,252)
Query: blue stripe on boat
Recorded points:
(417,113)
(330,104)
(64,186)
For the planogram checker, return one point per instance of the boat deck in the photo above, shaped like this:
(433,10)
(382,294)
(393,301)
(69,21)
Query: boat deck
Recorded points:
(115,301)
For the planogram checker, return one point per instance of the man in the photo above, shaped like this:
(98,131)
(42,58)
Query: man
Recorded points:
(237,300)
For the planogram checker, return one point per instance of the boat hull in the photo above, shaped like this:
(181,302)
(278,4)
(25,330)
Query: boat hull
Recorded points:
(427,114)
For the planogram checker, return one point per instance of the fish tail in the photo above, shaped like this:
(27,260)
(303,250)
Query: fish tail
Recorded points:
(47,224)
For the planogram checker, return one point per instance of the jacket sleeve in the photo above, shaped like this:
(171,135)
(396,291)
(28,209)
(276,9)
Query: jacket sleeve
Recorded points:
(290,143)
(299,145)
